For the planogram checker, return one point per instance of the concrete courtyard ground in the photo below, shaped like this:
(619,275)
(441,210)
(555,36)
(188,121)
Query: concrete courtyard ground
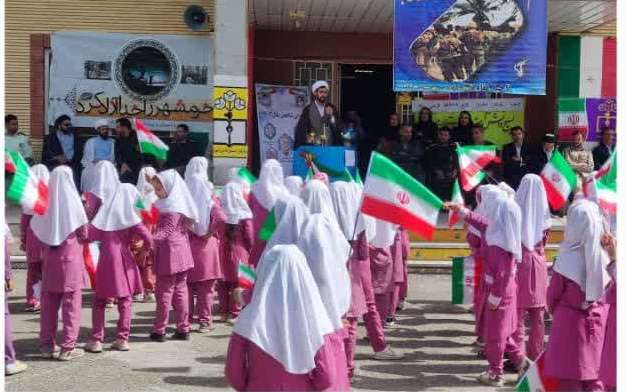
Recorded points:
(434,335)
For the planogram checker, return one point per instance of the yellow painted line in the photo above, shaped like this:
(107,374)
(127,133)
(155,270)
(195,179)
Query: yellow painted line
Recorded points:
(459,235)
(450,253)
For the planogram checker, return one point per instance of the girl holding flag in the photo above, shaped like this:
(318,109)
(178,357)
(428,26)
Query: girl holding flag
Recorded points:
(502,251)
(576,301)
(294,185)
(269,188)
(172,258)
(115,226)
(63,264)
(204,238)
(150,215)
(532,272)
(238,240)
(346,197)
(31,247)
(608,365)
(283,338)
(381,263)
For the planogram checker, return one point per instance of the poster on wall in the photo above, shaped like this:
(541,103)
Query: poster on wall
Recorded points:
(586,115)
(468,45)
(497,116)
(163,79)
(278,111)
(230,102)
(601,113)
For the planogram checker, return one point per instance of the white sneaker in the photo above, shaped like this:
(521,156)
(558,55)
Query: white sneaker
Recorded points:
(138,298)
(489,380)
(70,355)
(120,345)
(149,297)
(388,354)
(54,354)
(93,347)
(14,368)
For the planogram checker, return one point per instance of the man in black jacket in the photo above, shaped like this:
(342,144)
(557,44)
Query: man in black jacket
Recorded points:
(602,152)
(62,147)
(516,157)
(127,155)
(181,149)
(312,128)
(544,155)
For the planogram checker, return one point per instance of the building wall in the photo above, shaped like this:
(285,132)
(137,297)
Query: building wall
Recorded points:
(29,22)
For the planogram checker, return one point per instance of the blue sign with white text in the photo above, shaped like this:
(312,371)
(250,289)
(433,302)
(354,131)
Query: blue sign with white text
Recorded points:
(470,45)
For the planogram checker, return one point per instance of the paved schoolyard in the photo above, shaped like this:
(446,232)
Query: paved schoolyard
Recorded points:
(434,335)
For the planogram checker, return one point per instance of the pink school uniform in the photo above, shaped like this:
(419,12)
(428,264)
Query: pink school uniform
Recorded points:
(405,242)
(63,262)
(576,301)
(115,226)
(204,238)
(145,260)
(381,263)
(503,249)
(173,258)
(285,349)
(32,247)
(398,275)
(532,271)
(608,364)
(265,192)
(238,240)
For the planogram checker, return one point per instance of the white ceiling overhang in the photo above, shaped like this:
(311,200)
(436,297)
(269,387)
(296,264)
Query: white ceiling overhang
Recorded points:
(376,16)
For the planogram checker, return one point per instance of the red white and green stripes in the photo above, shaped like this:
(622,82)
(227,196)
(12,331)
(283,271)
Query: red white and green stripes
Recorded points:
(457,197)
(9,165)
(26,189)
(472,159)
(572,117)
(149,213)
(247,276)
(609,168)
(268,227)
(559,180)
(465,280)
(534,380)
(246,176)
(149,143)
(392,195)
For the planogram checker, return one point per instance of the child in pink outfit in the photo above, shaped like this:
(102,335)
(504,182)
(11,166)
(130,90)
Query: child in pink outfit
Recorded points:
(172,258)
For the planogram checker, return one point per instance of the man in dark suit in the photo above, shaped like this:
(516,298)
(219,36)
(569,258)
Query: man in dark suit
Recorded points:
(515,158)
(62,147)
(602,152)
(544,155)
(312,127)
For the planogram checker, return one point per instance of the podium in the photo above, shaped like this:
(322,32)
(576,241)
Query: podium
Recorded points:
(332,160)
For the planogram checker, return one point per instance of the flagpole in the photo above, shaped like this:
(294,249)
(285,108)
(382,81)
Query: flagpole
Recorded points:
(358,214)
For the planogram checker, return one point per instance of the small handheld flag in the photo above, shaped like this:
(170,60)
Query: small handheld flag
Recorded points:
(26,189)
(246,176)
(472,159)
(149,143)
(457,197)
(465,280)
(268,227)
(559,180)
(247,276)
(149,213)
(534,380)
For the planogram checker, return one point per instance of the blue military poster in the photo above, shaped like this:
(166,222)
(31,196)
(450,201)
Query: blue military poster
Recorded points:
(470,45)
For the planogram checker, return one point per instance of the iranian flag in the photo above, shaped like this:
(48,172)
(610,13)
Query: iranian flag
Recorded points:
(268,227)
(609,168)
(247,276)
(392,195)
(457,197)
(472,159)
(534,380)
(572,118)
(149,143)
(148,212)
(26,189)
(246,176)
(602,192)
(559,180)
(9,165)
(465,280)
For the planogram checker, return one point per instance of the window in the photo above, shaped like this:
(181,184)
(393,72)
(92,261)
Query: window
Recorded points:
(306,73)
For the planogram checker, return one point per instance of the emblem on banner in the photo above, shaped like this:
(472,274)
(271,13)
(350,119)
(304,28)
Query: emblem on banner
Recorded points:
(403,198)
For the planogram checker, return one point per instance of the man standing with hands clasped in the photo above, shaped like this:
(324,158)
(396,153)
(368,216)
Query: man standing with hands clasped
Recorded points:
(311,127)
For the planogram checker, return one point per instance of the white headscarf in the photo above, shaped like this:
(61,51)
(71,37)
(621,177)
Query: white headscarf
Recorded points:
(291,215)
(581,257)
(486,196)
(347,201)
(197,165)
(506,188)
(146,190)
(533,201)
(327,252)
(269,186)
(104,181)
(286,317)
(178,199)
(316,196)
(384,235)
(294,185)
(235,206)
(505,226)
(42,174)
(119,212)
(202,193)
(65,213)
(233,175)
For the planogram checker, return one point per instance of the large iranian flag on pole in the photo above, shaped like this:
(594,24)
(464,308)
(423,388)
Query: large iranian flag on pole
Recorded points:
(26,189)
(572,117)
(472,159)
(392,195)
(534,380)
(149,143)
(559,180)
(465,280)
